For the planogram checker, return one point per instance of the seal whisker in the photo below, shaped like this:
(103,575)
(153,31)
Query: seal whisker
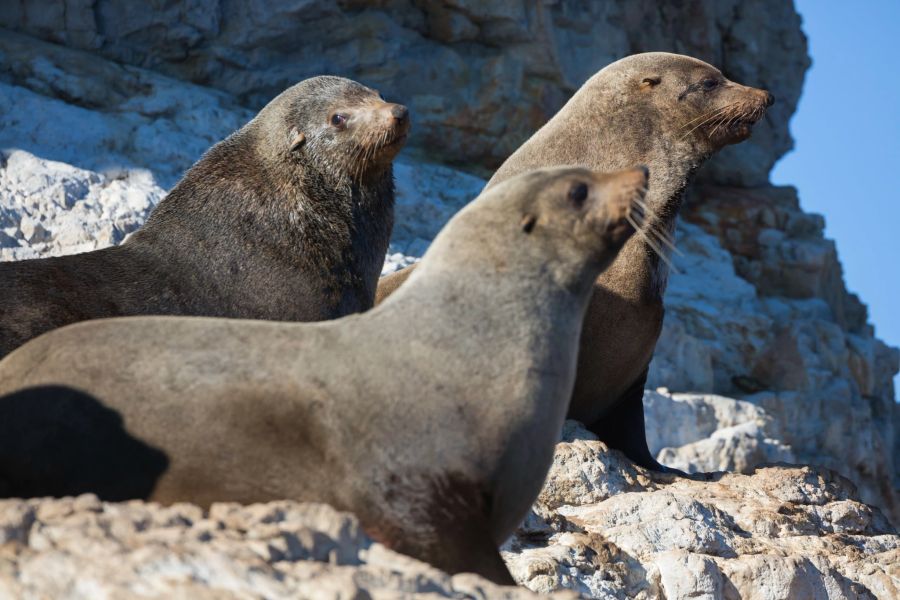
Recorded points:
(651,243)
(726,119)
(702,123)
(703,116)
(666,240)
(647,213)
(658,234)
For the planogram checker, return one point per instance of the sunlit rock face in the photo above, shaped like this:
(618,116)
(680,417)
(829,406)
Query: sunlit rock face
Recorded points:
(764,357)
(608,529)
(83,549)
(479,76)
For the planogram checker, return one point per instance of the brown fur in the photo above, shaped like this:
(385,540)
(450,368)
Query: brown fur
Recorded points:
(288,218)
(439,452)
(652,109)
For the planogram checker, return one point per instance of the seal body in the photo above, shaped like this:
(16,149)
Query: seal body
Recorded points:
(439,450)
(666,111)
(288,218)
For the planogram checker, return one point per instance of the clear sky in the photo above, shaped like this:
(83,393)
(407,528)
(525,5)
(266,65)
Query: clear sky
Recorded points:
(846,157)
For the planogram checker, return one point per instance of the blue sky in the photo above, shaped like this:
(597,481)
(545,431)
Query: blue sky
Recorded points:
(846,157)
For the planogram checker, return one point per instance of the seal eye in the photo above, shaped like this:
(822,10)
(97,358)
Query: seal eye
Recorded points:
(528,222)
(338,120)
(709,84)
(578,193)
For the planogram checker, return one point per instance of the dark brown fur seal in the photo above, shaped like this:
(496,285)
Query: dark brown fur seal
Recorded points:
(436,431)
(671,113)
(288,218)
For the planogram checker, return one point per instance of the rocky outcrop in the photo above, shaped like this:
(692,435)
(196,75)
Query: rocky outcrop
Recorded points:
(760,312)
(94,114)
(601,527)
(757,311)
(82,549)
(50,208)
(770,358)
(479,76)
(606,528)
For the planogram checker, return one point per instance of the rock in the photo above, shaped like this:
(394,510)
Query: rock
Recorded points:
(772,359)
(427,197)
(757,310)
(55,208)
(705,432)
(778,532)
(479,77)
(68,106)
(83,548)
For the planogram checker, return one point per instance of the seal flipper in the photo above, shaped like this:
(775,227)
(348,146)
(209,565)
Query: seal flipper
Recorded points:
(622,428)
(473,551)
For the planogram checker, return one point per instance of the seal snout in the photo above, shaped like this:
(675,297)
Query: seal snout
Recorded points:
(619,203)
(399,112)
(394,120)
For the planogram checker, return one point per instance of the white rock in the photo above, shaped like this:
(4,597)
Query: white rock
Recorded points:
(777,533)
(80,548)
(60,209)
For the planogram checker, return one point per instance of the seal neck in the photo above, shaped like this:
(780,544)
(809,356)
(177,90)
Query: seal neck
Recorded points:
(254,230)
(638,272)
(603,131)
(502,277)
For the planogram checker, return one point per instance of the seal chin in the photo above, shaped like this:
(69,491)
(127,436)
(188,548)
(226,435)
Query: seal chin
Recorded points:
(619,233)
(741,131)
(395,142)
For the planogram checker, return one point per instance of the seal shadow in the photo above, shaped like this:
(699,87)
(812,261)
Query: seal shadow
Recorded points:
(60,441)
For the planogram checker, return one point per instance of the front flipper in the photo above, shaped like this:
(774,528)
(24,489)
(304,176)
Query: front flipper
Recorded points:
(622,428)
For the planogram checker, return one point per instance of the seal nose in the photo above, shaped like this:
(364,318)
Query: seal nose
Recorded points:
(399,112)
(770,99)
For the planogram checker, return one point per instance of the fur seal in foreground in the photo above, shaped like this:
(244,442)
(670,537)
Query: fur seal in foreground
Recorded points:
(671,113)
(288,218)
(436,431)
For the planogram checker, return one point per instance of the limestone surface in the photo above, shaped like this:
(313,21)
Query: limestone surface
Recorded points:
(765,356)
(609,529)
(479,75)
(756,313)
(84,549)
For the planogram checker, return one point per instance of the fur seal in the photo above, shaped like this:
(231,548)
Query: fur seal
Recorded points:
(288,218)
(669,112)
(438,451)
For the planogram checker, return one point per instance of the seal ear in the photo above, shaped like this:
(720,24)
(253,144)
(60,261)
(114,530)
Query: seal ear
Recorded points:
(527,223)
(650,82)
(297,140)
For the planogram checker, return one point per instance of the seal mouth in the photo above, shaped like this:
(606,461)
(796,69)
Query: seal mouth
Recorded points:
(745,125)
(394,141)
(738,122)
(621,230)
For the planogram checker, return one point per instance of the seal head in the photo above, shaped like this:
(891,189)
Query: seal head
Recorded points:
(712,110)
(335,125)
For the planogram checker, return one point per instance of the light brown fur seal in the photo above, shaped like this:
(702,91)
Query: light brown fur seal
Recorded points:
(666,111)
(288,218)
(436,431)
